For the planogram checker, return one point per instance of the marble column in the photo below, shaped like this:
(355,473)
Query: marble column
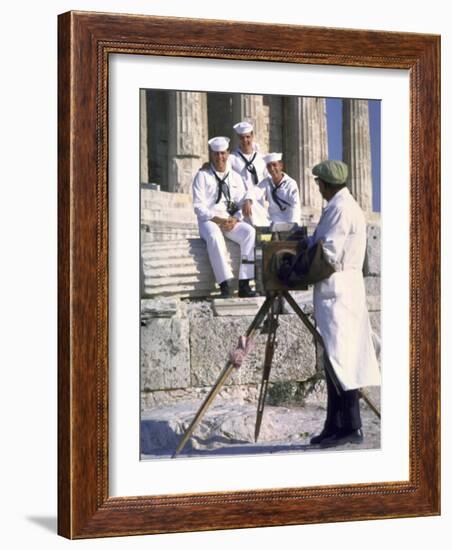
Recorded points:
(187,138)
(306,144)
(356,150)
(252,108)
(144,117)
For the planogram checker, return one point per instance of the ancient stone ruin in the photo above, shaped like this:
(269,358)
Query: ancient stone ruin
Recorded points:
(187,335)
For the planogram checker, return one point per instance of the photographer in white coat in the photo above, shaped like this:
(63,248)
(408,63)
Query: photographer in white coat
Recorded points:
(248,162)
(280,191)
(218,196)
(340,307)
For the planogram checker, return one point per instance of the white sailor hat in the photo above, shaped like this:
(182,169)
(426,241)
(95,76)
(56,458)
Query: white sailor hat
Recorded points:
(272,157)
(243,128)
(219,143)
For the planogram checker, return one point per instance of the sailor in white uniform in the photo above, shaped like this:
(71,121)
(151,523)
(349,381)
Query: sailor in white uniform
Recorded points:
(340,307)
(218,196)
(280,191)
(248,162)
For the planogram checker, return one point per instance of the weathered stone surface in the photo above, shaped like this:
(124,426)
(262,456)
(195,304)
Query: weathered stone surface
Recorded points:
(160,308)
(373,303)
(212,340)
(373,256)
(168,231)
(199,308)
(245,393)
(182,268)
(373,286)
(165,354)
(187,149)
(356,150)
(297,393)
(252,108)
(304,299)
(162,206)
(237,306)
(375,320)
(224,424)
(306,145)
(144,160)
(229,429)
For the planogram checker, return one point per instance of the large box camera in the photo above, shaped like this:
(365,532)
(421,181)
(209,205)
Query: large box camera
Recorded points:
(273,244)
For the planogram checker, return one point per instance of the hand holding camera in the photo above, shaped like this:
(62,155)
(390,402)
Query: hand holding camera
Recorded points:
(229,224)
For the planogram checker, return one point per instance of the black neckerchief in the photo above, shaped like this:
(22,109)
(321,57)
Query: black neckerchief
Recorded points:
(223,188)
(279,201)
(250,166)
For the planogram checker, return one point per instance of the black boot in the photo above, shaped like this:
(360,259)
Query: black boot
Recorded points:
(245,290)
(226,291)
(324,434)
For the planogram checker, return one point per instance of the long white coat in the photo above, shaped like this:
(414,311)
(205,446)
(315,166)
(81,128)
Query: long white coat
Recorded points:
(340,301)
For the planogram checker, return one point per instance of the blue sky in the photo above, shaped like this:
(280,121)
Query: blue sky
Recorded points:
(334,122)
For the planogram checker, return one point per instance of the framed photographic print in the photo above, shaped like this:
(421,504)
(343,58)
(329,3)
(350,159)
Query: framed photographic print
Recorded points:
(157,419)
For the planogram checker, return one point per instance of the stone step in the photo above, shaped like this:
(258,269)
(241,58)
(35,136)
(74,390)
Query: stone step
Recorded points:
(182,268)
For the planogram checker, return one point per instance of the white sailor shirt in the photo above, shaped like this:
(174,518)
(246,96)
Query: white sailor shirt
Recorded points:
(206,192)
(283,200)
(239,165)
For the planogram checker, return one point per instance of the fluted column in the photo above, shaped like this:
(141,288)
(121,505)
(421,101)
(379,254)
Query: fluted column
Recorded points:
(356,147)
(144,117)
(306,144)
(252,108)
(187,138)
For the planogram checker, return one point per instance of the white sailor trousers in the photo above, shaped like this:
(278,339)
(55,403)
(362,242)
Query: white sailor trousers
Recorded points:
(243,234)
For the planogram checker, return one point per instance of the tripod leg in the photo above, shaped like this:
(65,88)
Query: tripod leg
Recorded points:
(307,323)
(269,351)
(365,397)
(260,316)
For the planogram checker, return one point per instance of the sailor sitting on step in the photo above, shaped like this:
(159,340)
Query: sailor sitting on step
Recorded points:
(280,191)
(248,162)
(218,196)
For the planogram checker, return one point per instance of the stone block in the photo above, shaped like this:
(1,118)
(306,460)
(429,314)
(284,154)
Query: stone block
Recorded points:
(375,320)
(245,393)
(165,354)
(237,306)
(212,340)
(373,253)
(373,286)
(373,303)
(160,308)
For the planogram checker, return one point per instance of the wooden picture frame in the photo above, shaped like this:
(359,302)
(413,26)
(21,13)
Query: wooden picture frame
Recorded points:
(85,508)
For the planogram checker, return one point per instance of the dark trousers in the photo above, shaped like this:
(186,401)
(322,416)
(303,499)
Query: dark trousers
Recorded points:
(342,410)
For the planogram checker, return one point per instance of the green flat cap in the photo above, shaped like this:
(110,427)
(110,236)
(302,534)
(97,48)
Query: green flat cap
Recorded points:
(331,171)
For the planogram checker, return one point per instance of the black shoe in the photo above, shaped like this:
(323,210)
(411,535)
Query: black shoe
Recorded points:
(342,437)
(245,289)
(324,434)
(225,289)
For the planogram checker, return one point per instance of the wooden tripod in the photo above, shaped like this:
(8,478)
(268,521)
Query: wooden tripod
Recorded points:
(269,310)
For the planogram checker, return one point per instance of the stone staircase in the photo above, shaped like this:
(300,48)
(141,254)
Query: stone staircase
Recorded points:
(181,268)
